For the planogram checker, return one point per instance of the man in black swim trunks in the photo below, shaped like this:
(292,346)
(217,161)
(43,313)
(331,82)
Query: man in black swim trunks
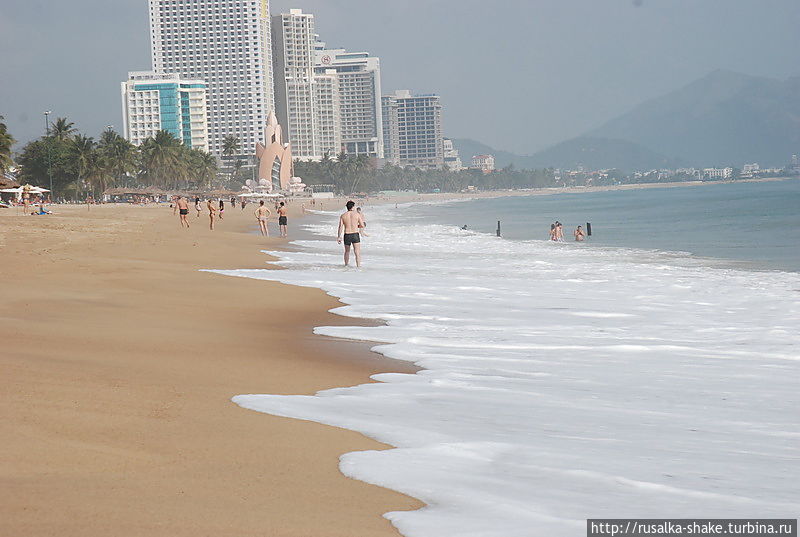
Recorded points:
(183,209)
(282,220)
(349,225)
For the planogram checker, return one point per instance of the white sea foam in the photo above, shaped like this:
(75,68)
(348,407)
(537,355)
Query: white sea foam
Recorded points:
(560,382)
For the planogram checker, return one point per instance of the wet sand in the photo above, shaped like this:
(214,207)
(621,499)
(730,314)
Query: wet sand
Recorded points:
(119,359)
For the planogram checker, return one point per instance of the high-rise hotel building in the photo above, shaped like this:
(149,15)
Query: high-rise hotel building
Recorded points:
(412,129)
(152,102)
(328,113)
(359,88)
(226,43)
(307,99)
(293,57)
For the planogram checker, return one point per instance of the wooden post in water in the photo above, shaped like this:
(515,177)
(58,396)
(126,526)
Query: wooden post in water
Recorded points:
(498,228)
(588,229)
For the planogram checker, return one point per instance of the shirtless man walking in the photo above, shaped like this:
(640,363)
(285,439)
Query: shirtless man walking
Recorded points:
(349,225)
(282,220)
(212,212)
(183,210)
(262,214)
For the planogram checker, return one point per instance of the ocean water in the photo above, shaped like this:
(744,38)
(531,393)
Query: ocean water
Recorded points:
(750,225)
(561,381)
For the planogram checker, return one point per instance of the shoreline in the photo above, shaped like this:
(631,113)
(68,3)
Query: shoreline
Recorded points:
(121,359)
(64,409)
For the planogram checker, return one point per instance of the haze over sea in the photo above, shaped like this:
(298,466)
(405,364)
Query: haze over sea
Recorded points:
(616,378)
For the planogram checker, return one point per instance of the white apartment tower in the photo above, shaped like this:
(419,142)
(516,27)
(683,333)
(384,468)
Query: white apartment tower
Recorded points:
(359,81)
(227,44)
(327,113)
(413,129)
(152,102)
(293,55)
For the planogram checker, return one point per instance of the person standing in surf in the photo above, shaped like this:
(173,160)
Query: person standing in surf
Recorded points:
(282,220)
(579,236)
(559,232)
(350,223)
(362,228)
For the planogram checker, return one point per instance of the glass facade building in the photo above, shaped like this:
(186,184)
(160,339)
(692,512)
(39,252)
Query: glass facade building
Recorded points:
(153,102)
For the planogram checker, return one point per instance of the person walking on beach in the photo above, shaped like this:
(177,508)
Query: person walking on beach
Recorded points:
(197,206)
(282,220)
(183,210)
(233,202)
(212,213)
(262,215)
(349,225)
(579,236)
(221,208)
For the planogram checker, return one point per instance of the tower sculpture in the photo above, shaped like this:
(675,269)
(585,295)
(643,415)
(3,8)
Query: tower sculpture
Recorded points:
(275,158)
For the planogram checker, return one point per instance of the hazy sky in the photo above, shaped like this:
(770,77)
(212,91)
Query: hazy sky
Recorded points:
(514,74)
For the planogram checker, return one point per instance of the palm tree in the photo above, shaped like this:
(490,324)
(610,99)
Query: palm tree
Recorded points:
(62,129)
(161,159)
(203,167)
(6,141)
(230,146)
(119,155)
(83,154)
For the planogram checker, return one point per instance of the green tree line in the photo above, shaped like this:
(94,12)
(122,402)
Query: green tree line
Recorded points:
(350,174)
(80,165)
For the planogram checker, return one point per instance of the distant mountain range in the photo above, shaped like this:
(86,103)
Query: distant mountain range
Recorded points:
(724,118)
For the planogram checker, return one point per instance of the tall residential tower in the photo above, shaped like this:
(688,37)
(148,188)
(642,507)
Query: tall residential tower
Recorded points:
(293,57)
(359,88)
(227,44)
(412,129)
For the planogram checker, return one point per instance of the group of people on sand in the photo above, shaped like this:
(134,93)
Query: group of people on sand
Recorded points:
(352,224)
(216,211)
(557,232)
(263,213)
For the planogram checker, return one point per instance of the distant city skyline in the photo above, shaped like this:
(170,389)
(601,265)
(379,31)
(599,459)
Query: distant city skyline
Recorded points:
(519,77)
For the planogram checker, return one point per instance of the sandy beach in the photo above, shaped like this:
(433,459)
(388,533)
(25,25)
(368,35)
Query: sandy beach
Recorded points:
(119,361)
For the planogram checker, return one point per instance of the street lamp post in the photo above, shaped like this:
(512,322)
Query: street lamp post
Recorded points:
(49,149)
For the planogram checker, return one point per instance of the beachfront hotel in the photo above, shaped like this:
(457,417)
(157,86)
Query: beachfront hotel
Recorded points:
(484,163)
(452,159)
(412,129)
(227,44)
(359,89)
(293,57)
(327,112)
(306,99)
(152,102)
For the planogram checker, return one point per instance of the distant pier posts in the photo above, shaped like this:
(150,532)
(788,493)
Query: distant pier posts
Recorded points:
(498,228)
(588,229)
